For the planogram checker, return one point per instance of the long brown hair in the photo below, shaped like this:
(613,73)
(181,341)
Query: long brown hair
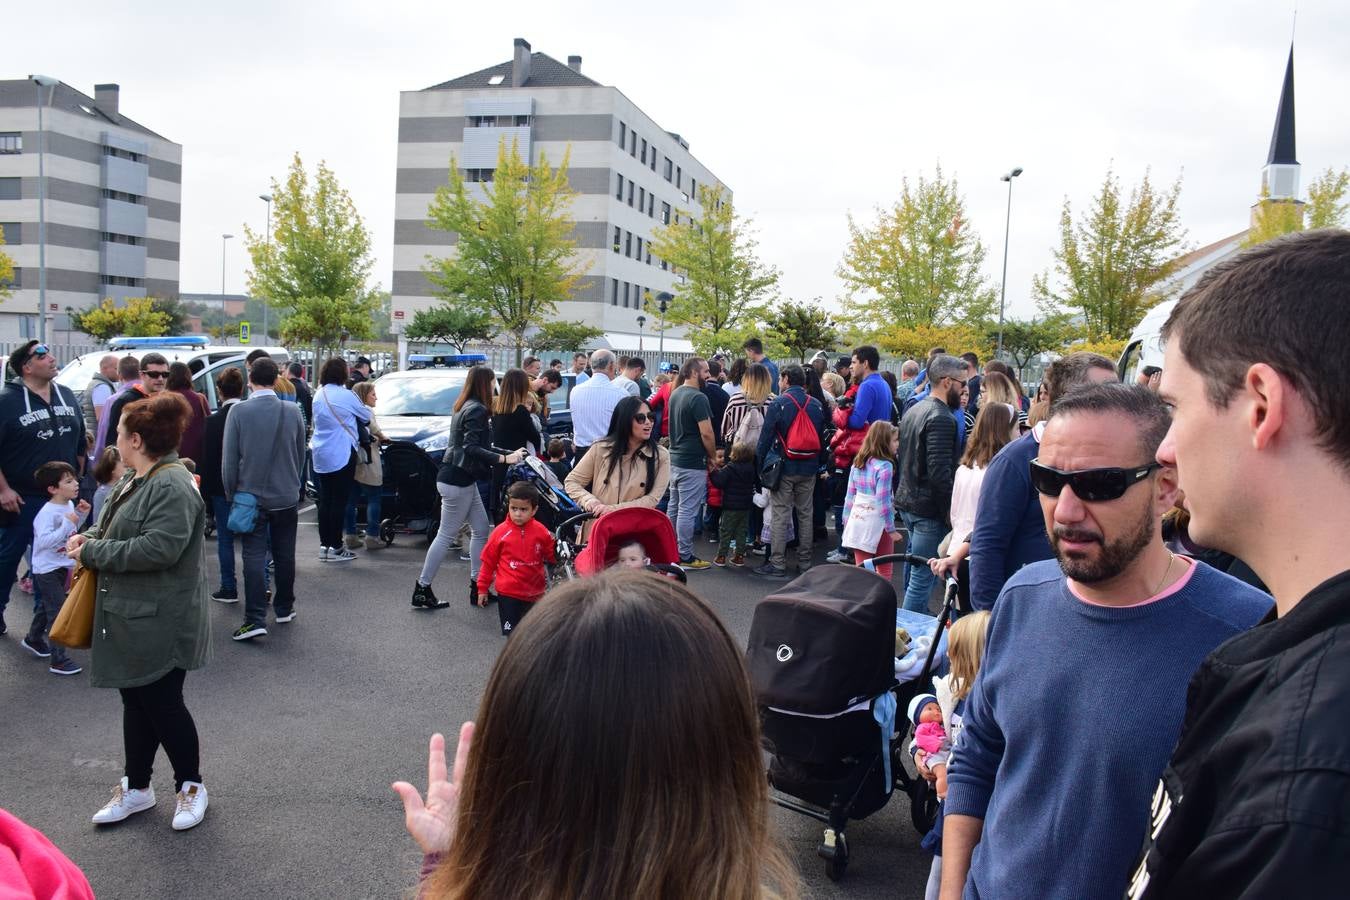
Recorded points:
(998,388)
(515,391)
(616,755)
(993,429)
(477,386)
(877,444)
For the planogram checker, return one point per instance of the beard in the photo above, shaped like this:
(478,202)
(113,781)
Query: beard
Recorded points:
(1115,557)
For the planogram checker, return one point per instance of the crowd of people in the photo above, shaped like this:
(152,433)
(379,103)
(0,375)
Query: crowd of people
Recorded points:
(1148,700)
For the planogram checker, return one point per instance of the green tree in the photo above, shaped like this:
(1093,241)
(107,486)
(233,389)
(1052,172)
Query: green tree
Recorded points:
(1110,263)
(175,311)
(802,328)
(1327,205)
(319,257)
(447,323)
(1025,340)
(514,255)
(726,285)
(914,341)
(6,270)
(1326,208)
(918,263)
(137,316)
(557,336)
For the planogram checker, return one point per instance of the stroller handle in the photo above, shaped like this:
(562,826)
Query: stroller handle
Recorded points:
(581,517)
(871,564)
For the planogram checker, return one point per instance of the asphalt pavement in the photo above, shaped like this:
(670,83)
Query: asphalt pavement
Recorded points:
(302,732)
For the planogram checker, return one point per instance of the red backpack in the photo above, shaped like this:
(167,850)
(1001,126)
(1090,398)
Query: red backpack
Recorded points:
(803,440)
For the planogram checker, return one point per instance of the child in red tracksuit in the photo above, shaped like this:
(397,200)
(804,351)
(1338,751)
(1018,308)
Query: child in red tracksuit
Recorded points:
(514,558)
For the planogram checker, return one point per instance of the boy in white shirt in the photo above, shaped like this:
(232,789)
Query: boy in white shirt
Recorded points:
(56,521)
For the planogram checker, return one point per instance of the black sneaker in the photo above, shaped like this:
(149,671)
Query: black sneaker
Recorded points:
(226,595)
(473,593)
(247,632)
(36,646)
(68,667)
(770,571)
(424,598)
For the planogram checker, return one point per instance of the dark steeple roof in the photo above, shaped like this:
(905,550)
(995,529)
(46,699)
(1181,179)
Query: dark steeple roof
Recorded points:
(545,71)
(1282,140)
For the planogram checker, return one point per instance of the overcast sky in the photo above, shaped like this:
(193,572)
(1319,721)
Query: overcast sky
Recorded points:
(807,115)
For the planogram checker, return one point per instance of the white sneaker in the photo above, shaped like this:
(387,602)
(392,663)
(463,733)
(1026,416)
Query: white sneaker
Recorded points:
(340,554)
(323,554)
(124,804)
(191,806)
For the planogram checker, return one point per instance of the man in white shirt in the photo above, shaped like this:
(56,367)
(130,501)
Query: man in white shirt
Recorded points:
(593,401)
(632,369)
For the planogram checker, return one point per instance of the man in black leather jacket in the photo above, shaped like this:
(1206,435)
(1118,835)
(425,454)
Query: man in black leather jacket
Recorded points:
(927,464)
(1256,800)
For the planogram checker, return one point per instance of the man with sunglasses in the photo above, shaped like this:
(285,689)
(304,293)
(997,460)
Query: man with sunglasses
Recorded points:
(1256,799)
(40,422)
(154,378)
(1083,685)
(1009,532)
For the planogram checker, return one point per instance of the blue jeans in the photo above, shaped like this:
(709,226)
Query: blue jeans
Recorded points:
(688,488)
(371,493)
(14,540)
(220,507)
(924,537)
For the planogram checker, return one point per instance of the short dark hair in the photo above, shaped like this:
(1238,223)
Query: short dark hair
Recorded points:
(1282,303)
(334,371)
(296,370)
(555,447)
(153,359)
(107,464)
(636,362)
(525,363)
(19,357)
(230,383)
(971,358)
(714,368)
(691,367)
(363,361)
(1070,371)
(49,474)
(264,372)
(754,344)
(255,355)
(936,351)
(128,368)
(868,354)
(554,362)
(842,362)
(1134,400)
(159,420)
(795,375)
(552,376)
(524,490)
(579,355)
(180,377)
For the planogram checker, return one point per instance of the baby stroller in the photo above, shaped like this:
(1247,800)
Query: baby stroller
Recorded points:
(554,507)
(822,660)
(409,498)
(611,531)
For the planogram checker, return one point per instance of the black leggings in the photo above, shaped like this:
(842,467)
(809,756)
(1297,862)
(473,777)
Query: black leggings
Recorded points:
(153,715)
(334,489)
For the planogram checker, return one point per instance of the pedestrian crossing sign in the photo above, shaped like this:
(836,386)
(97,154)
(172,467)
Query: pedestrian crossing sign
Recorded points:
(243,332)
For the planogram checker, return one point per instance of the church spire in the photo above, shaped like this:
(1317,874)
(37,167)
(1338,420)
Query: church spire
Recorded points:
(1279,179)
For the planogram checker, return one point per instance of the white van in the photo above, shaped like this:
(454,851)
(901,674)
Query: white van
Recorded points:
(1145,347)
(195,350)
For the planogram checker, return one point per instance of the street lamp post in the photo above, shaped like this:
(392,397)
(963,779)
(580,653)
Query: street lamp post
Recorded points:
(40,82)
(663,300)
(223,239)
(1003,294)
(641,320)
(267,198)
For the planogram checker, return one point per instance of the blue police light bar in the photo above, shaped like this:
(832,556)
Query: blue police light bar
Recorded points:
(447,359)
(137,343)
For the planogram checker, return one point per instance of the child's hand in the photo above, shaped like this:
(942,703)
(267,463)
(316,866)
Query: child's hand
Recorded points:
(482,599)
(83,508)
(73,518)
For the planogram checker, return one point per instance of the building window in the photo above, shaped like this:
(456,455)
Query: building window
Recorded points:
(649,253)
(644,151)
(693,188)
(123,154)
(684,198)
(665,213)
(639,249)
(632,143)
(11,142)
(626,289)
(664,265)
(623,139)
(679,177)
(642,199)
(9,231)
(614,298)
(122,281)
(669,166)
(652,161)
(628,244)
(617,235)
(112,238)
(10,189)
(618,194)
(478,176)
(118,195)
(630,193)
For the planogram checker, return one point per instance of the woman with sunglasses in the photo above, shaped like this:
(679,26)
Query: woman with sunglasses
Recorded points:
(624,468)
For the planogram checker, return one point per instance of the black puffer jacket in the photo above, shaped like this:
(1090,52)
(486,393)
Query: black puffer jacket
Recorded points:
(1256,801)
(927,461)
(737,483)
(468,458)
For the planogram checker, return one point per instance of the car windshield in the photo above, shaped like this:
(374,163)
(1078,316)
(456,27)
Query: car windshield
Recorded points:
(417,395)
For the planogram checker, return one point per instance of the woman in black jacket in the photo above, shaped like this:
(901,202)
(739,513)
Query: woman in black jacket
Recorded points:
(513,428)
(468,459)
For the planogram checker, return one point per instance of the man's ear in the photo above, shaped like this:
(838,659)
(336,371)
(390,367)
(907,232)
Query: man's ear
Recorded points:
(1165,490)
(1268,403)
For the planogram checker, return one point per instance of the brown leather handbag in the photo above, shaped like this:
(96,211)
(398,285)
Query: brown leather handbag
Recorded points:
(74,625)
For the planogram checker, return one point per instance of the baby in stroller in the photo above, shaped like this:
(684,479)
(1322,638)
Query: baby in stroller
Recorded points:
(633,537)
(632,555)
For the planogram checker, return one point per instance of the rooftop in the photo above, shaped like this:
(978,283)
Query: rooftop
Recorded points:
(21,92)
(545,71)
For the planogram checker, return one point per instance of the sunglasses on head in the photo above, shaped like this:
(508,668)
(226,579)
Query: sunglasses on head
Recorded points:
(38,351)
(1092,485)
(644,418)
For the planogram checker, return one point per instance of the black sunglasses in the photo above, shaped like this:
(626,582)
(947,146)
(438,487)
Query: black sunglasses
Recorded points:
(1092,485)
(150,373)
(39,350)
(643,418)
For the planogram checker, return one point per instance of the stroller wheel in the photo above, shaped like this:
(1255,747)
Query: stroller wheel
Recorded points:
(923,805)
(387,532)
(834,850)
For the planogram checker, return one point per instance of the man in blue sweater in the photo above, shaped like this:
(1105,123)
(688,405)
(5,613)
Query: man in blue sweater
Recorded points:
(1009,532)
(1081,693)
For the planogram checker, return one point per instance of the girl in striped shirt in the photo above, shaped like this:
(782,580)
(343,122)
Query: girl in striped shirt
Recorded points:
(871,475)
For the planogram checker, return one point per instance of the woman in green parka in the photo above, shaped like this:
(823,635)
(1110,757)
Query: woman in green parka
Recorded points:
(150,618)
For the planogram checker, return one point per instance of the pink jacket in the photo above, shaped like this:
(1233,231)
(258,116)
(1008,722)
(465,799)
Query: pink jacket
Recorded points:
(930,737)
